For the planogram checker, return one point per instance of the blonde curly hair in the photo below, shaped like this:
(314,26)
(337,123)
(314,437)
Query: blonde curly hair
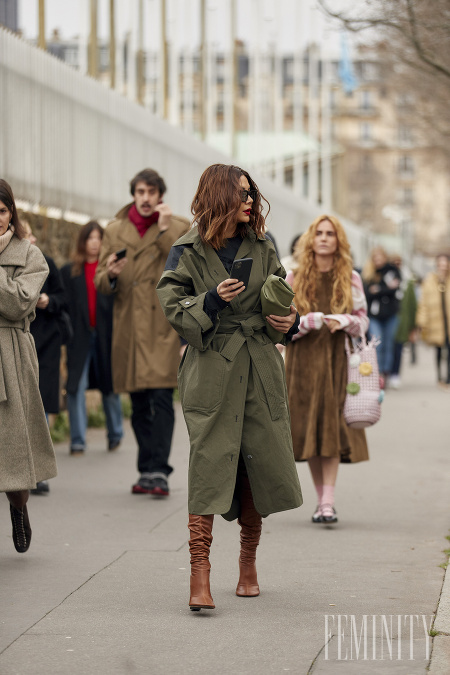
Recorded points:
(305,277)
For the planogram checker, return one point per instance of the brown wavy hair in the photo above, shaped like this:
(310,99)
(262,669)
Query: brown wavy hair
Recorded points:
(7,197)
(218,200)
(307,274)
(79,255)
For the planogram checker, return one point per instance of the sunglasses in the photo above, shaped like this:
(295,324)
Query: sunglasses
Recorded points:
(245,194)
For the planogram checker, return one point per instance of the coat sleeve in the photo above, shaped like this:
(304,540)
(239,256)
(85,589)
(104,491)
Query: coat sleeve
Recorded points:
(423,315)
(56,296)
(101,280)
(181,305)
(19,294)
(357,322)
(165,240)
(275,267)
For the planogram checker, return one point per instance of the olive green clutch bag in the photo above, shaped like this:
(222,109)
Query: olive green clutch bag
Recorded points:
(276,298)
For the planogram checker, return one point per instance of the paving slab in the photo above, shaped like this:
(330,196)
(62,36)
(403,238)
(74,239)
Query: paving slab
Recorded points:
(104,586)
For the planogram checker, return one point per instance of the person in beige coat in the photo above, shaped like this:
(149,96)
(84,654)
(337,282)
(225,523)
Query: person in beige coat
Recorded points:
(145,348)
(433,314)
(26,450)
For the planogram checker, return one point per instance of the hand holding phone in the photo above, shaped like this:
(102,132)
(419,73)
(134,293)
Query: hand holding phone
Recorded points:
(121,254)
(241,270)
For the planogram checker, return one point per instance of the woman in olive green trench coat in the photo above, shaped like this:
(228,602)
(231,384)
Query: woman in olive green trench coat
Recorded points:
(231,378)
(26,450)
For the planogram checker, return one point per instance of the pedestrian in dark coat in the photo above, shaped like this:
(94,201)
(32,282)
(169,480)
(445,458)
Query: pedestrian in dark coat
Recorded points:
(89,352)
(231,379)
(382,282)
(46,332)
(26,450)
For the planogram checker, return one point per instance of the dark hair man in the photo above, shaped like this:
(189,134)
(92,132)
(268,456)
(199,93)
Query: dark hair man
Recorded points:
(145,349)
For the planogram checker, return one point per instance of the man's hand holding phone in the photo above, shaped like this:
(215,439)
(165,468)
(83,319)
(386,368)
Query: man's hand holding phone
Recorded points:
(116,262)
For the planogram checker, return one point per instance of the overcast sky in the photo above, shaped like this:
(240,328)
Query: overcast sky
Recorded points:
(287,23)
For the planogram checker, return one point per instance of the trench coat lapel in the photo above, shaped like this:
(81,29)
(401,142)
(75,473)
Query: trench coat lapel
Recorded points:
(15,254)
(147,240)
(129,236)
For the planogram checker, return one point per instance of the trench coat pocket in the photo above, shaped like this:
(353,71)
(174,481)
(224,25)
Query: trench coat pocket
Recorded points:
(201,379)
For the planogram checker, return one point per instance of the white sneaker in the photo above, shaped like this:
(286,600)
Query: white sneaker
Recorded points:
(394,381)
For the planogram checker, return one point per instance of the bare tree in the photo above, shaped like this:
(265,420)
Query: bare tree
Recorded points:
(412,37)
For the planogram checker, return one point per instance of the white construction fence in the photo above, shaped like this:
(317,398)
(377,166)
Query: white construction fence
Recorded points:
(68,142)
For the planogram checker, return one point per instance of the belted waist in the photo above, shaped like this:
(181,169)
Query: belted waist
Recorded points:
(242,329)
(23,324)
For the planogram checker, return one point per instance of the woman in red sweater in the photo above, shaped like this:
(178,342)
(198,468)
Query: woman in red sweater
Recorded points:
(89,352)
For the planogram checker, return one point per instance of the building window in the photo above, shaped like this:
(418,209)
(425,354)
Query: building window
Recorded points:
(405,135)
(406,165)
(365,131)
(407,197)
(366,100)
(366,162)
(369,71)
(405,99)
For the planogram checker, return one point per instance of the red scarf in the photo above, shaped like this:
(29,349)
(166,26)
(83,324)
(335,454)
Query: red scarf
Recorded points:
(142,224)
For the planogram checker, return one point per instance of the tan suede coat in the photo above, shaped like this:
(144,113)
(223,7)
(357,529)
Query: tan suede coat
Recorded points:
(145,348)
(430,317)
(26,450)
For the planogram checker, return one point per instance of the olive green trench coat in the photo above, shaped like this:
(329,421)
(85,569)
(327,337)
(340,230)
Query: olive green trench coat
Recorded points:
(26,450)
(231,381)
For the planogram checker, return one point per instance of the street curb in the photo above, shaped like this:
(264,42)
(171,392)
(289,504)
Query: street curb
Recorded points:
(440,655)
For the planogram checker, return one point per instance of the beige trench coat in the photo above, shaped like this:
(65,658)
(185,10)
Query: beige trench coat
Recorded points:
(26,450)
(145,348)
(430,317)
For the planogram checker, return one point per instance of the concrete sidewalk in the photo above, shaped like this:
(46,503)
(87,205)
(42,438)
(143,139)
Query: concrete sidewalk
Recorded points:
(104,587)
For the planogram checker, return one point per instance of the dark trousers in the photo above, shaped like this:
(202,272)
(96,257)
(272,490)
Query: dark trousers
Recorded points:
(398,350)
(440,351)
(153,420)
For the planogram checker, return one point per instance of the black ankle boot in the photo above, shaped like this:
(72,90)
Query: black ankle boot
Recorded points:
(21,528)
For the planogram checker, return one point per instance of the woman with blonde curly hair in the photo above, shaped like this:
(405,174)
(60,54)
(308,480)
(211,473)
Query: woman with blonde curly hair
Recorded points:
(329,296)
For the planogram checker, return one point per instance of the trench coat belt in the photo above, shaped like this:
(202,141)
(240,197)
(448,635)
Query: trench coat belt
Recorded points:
(24,325)
(241,329)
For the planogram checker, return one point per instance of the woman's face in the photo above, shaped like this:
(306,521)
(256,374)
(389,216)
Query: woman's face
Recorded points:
(93,244)
(245,209)
(29,233)
(379,259)
(325,240)
(442,266)
(5,218)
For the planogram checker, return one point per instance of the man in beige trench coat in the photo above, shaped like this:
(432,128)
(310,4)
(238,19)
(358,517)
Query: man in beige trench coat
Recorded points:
(145,348)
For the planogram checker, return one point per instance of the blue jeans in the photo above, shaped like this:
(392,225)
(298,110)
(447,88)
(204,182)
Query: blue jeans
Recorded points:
(76,405)
(385,330)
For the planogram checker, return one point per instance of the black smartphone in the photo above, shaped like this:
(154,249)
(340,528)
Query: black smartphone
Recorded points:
(241,270)
(121,254)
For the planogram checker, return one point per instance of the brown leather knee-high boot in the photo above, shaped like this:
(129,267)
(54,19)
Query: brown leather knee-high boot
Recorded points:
(199,545)
(251,524)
